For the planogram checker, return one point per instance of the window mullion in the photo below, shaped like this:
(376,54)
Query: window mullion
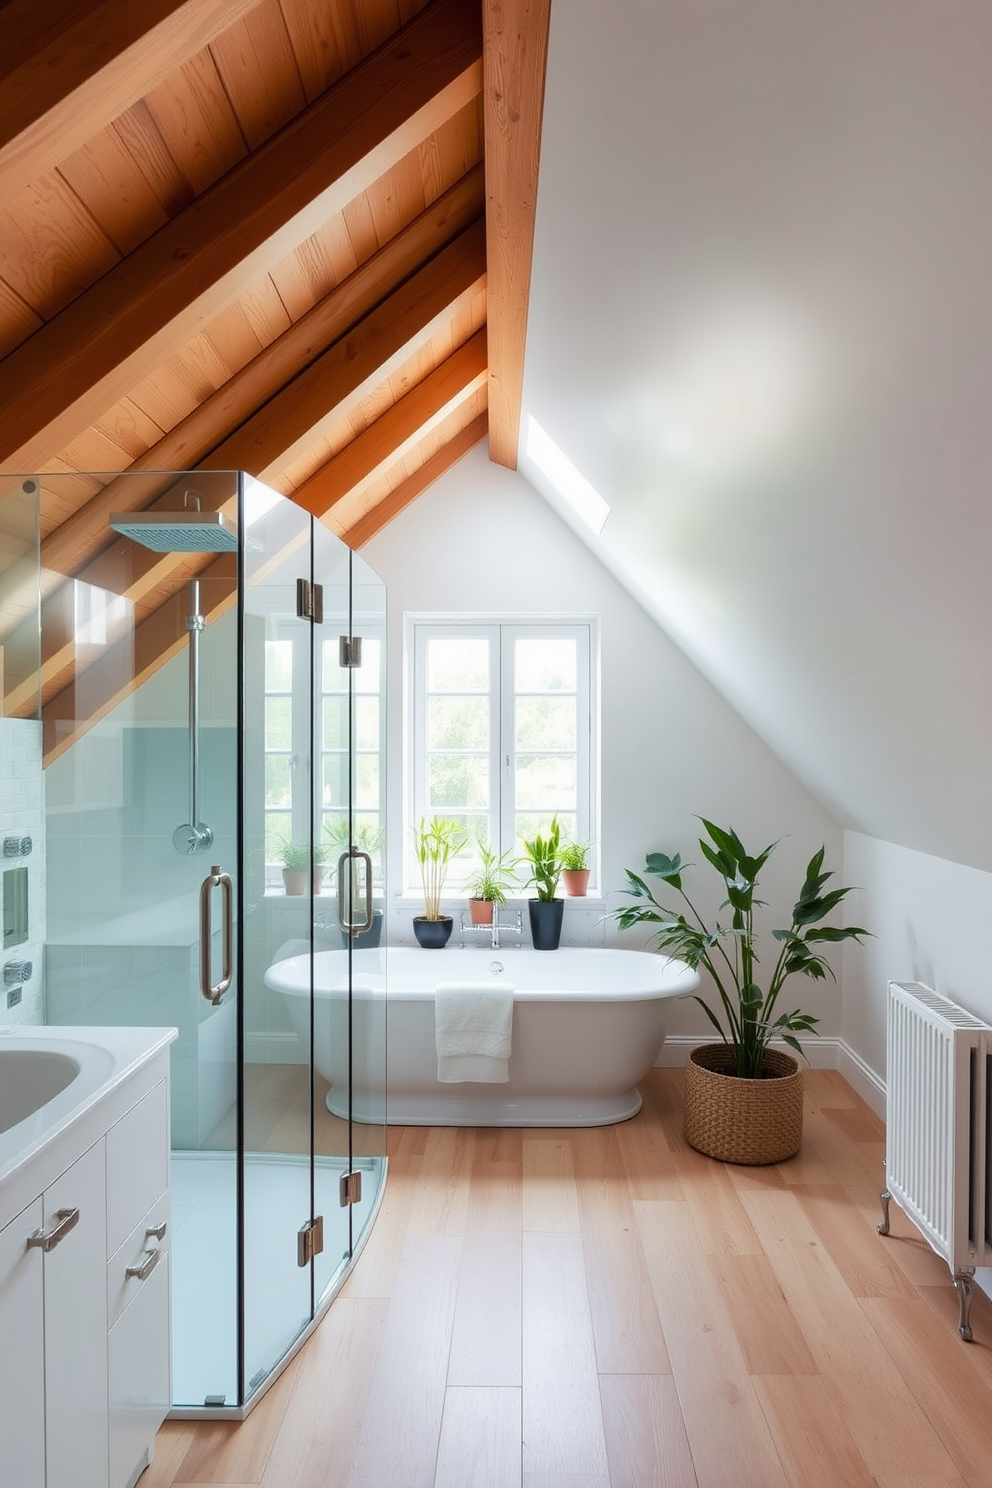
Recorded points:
(507,742)
(584,740)
(302,742)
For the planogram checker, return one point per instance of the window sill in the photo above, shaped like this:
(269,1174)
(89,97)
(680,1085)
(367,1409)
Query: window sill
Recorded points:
(415,902)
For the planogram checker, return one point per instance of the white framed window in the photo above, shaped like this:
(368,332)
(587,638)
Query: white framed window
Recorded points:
(503,727)
(287,715)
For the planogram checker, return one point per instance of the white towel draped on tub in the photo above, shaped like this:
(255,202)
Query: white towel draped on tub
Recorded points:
(472,1028)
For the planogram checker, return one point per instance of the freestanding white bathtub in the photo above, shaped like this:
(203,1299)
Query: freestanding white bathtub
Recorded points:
(587,1025)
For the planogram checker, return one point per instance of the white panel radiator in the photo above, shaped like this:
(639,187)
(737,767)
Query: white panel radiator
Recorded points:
(937,1143)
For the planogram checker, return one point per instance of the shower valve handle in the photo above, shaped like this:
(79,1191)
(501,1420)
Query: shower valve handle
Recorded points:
(216,878)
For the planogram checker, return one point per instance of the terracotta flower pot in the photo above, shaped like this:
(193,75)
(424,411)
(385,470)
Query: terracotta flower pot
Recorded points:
(576,881)
(296,880)
(481,911)
(743,1121)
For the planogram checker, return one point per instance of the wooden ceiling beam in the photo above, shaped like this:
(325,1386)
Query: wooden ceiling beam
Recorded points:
(372,522)
(81,536)
(69,67)
(362,359)
(515,49)
(69,372)
(397,430)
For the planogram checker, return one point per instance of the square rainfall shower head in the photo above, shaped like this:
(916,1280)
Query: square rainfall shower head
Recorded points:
(178,531)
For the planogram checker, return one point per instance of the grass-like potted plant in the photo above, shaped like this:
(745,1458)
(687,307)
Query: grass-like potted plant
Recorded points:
(743,1097)
(302,863)
(543,854)
(488,883)
(575,868)
(435,843)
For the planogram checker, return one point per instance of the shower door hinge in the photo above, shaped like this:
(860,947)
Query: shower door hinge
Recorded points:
(310,1240)
(310,601)
(349,651)
(351,1188)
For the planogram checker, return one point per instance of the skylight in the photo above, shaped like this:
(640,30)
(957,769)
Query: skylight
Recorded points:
(569,482)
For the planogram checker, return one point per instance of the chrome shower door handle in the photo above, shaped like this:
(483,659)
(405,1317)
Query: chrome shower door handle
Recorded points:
(366,924)
(354,927)
(216,878)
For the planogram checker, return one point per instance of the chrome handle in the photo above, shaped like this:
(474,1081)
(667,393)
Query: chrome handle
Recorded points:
(142,1272)
(156,1232)
(46,1240)
(367,922)
(354,927)
(216,878)
(342,917)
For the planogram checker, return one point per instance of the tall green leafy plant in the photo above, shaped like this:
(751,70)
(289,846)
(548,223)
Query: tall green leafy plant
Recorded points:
(728,951)
(544,856)
(435,843)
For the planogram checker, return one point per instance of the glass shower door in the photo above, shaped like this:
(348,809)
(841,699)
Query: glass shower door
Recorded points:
(283,896)
(203,730)
(349,1051)
(313,792)
(139,671)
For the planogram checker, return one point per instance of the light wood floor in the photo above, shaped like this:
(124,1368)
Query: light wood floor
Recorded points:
(607,1309)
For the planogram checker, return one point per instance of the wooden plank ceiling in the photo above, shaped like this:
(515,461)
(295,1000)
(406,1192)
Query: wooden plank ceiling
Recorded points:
(286,236)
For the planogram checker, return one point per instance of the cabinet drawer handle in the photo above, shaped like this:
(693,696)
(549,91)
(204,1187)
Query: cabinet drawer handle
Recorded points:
(142,1272)
(46,1240)
(157,1232)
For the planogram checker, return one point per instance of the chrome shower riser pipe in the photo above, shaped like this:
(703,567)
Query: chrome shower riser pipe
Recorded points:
(194,836)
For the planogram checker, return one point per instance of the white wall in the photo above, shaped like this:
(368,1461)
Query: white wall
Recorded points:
(775,364)
(928,918)
(482,540)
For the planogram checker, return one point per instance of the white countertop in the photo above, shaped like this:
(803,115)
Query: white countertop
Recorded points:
(108,1059)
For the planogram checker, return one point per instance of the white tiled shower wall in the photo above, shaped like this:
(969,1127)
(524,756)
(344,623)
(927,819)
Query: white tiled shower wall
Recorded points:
(22,814)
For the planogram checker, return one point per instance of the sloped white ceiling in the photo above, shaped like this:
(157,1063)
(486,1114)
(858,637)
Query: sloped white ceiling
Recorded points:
(761,326)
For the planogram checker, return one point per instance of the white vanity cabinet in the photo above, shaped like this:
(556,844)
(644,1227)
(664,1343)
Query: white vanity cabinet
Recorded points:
(137,1272)
(22,1352)
(75,1324)
(84,1294)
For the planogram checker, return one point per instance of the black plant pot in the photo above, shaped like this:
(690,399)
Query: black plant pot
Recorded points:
(432,934)
(366,939)
(545,922)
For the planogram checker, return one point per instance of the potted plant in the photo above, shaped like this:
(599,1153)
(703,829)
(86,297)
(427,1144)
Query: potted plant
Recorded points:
(435,842)
(743,1098)
(487,885)
(575,868)
(546,911)
(302,863)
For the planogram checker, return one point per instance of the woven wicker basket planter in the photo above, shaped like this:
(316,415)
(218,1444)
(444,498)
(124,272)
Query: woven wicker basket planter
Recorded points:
(743,1121)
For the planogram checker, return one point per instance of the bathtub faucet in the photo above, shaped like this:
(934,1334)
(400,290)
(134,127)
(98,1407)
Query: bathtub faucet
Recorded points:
(514,925)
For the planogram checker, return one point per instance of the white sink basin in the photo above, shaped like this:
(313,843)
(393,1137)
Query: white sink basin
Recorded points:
(29,1079)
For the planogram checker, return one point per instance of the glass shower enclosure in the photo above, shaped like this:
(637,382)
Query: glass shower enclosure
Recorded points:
(205,666)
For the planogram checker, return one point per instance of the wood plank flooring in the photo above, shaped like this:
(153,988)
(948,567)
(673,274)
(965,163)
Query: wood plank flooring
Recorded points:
(607,1309)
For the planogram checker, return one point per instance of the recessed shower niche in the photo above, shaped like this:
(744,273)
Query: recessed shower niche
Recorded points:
(195,717)
(15,907)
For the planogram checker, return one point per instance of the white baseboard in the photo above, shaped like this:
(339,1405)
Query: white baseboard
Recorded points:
(822,1053)
(867,1082)
(273,1048)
